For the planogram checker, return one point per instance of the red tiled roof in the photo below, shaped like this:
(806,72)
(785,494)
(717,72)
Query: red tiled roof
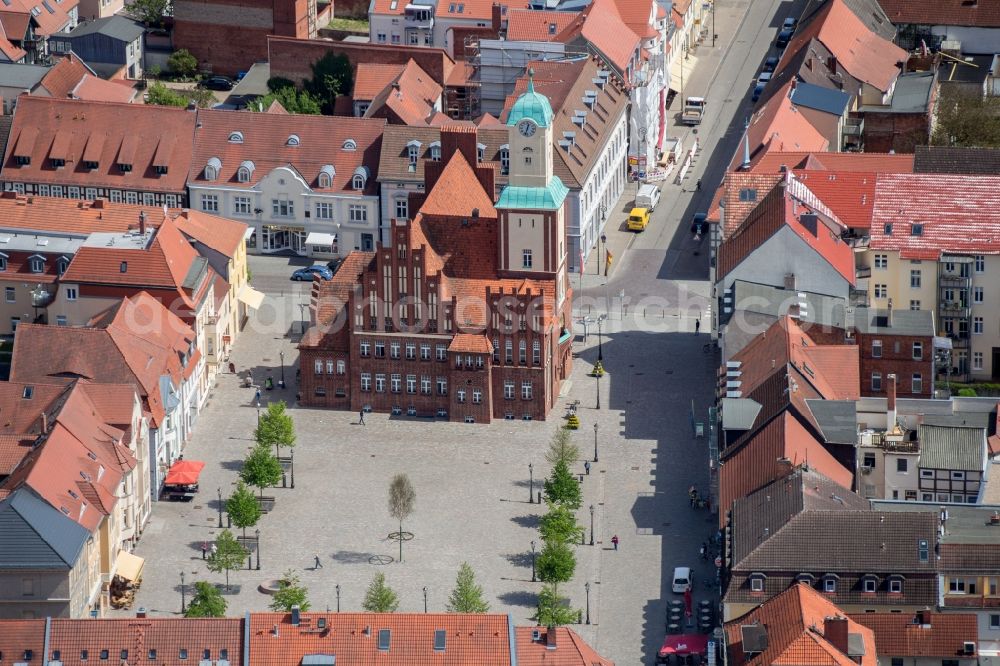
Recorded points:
(49,17)
(388,7)
(265,144)
(639,16)
(603,27)
(94,89)
(850,195)
(465,9)
(467,343)
(905,635)
(330,297)
(487,120)
(372,78)
(412,95)
(13,53)
(483,640)
(958,213)
(458,192)
(218,233)
(20,635)
(571,650)
(65,75)
(771,161)
(533,25)
(778,125)
(735,194)
(141,636)
(794,623)
(865,55)
(943,12)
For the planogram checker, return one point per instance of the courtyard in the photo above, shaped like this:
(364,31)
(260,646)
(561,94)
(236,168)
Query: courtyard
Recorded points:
(472,489)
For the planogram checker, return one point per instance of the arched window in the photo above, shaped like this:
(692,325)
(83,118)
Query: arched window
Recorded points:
(236,137)
(326,175)
(360,178)
(350,144)
(505,159)
(293,140)
(480,152)
(436,151)
(413,152)
(62,263)
(245,171)
(213,168)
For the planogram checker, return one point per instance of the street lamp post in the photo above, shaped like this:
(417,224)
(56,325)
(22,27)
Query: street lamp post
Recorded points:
(338,597)
(598,391)
(425,598)
(595,442)
(531,483)
(256,534)
(591,525)
(220,507)
(183,598)
(600,339)
(586,586)
(291,458)
(534,578)
(302,318)
(713,23)
(281,354)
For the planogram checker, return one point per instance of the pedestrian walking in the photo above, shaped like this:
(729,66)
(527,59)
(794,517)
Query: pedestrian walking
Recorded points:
(614,541)
(204,550)
(697,325)
(258,397)
(215,549)
(317,564)
(586,466)
(698,185)
(362,415)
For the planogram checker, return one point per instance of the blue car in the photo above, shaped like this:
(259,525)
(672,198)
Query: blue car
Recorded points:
(308,272)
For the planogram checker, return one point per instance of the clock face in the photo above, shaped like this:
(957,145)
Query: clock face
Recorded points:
(526,127)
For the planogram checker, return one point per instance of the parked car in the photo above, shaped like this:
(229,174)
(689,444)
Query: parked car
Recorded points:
(334,264)
(308,272)
(790,24)
(218,83)
(681,581)
(638,219)
(699,223)
(758,88)
(771,63)
(784,37)
(647,197)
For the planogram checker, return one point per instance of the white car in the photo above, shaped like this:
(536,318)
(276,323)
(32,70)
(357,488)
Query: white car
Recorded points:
(681,582)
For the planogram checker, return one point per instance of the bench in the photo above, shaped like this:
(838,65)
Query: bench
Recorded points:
(177,495)
(265,503)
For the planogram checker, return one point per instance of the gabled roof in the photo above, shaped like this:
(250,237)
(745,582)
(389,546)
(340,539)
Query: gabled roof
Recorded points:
(532,25)
(65,75)
(263,139)
(372,78)
(394,162)
(95,89)
(218,233)
(122,133)
(388,7)
(850,195)
(793,625)
(602,27)
(465,9)
(771,161)
(48,16)
(944,12)
(640,16)
(926,634)
(37,536)
(142,636)
(969,223)
(956,160)
(13,53)
(117,27)
(20,635)
(827,100)
(778,125)
(411,95)
(571,649)
(458,192)
(952,447)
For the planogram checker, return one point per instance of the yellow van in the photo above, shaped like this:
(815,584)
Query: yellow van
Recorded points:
(638,219)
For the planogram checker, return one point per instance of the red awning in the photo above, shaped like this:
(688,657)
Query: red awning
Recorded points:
(184,473)
(684,644)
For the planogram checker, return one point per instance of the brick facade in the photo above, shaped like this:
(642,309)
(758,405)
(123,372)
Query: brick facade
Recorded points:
(899,356)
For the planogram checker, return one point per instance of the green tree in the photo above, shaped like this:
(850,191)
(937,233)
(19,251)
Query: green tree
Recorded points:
(243,508)
(207,601)
(229,555)
(966,393)
(332,76)
(559,525)
(554,610)
(275,427)
(467,597)
(261,469)
(380,598)
(276,83)
(556,563)
(150,12)
(292,100)
(402,497)
(562,448)
(182,63)
(161,95)
(562,487)
(291,592)
(967,119)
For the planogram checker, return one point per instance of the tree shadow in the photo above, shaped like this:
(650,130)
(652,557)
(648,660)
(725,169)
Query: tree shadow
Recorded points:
(232,465)
(519,559)
(351,557)
(519,598)
(532,520)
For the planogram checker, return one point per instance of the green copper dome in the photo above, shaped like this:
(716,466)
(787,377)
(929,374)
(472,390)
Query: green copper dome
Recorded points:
(531,105)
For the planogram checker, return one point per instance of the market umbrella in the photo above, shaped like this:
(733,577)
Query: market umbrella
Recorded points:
(683,644)
(184,473)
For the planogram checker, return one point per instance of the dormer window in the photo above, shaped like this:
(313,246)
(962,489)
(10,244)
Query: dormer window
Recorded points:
(293,140)
(22,160)
(895,584)
(62,263)
(161,169)
(413,152)
(869,583)
(504,159)
(360,178)
(236,137)
(757,582)
(806,578)
(3,261)
(57,162)
(350,144)
(125,168)
(245,171)
(91,166)
(36,263)
(830,583)
(436,151)
(480,152)
(326,175)
(213,168)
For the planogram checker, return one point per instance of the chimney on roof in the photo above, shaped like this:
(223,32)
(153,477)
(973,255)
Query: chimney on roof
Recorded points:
(923,618)
(45,423)
(550,638)
(890,416)
(97,203)
(274,630)
(142,223)
(835,631)
(295,616)
(141,613)
(789,280)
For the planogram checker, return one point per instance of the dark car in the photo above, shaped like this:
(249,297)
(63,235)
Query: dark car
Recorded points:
(784,37)
(698,223)
(334,264)
(771,64)
(789,24)
(308,272)
(218,83)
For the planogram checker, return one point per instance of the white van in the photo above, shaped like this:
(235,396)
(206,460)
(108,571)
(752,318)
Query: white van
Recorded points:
(647,197)
(682,580)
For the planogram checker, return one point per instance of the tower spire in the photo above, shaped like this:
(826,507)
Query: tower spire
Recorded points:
(531,79)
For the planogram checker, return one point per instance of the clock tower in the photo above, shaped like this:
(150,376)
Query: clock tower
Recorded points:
(532,222)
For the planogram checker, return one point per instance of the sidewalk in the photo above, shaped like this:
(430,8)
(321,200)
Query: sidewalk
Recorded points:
(619,239)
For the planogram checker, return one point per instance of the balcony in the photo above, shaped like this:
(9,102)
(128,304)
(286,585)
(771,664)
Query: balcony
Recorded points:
(419,17)
(955,310)
(863,272)
(954,281)
(959,340)
(854,127)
